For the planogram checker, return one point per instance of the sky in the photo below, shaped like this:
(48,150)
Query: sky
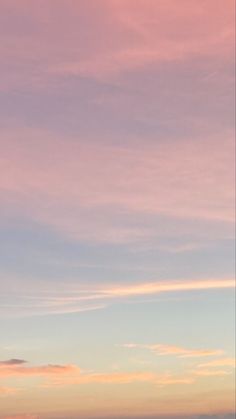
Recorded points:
(117,162)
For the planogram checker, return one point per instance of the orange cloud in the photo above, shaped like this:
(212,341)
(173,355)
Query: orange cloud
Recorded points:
(168,350)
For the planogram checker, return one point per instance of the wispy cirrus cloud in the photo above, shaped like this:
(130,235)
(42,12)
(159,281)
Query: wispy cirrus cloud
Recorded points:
(76,298)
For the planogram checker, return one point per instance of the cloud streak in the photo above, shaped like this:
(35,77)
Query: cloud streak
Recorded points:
(224,362)
(156,288)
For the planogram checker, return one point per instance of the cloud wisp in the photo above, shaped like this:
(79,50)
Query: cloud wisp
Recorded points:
(80,190)
(179,352)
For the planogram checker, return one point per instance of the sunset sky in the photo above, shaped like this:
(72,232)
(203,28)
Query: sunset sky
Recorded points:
(117,209)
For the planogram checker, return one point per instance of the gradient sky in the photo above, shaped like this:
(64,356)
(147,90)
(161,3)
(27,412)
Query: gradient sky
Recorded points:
(117,209)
